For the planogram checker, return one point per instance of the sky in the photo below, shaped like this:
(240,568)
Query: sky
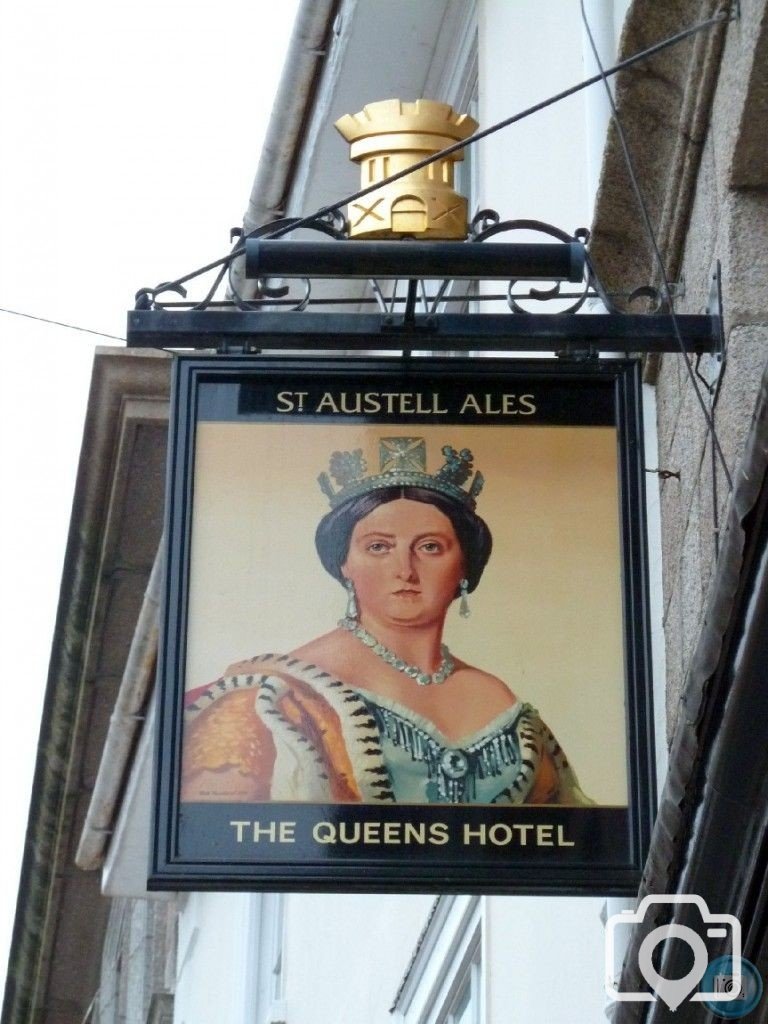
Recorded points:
(131,134)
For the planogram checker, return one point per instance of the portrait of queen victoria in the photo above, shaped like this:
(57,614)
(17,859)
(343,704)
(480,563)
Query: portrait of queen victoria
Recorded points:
(379,707)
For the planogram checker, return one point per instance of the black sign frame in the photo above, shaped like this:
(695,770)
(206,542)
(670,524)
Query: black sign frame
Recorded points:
(220,846)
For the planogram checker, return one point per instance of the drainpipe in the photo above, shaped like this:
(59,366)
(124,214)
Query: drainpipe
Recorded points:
(125,723)
(293,100)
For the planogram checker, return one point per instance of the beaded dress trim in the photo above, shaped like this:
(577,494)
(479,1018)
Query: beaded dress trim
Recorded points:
(454,769)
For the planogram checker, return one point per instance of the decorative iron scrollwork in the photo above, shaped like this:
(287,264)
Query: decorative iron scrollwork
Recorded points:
(486,224)
(332,224)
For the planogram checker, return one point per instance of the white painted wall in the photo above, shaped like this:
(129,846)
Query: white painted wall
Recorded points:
(342,958)
(529,50)
(547,168)
(544,960)
(346,955)
(214,968)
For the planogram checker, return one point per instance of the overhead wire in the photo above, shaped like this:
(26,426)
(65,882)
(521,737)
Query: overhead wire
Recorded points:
(651,235)
(505,123)
(455,147)
(60,323)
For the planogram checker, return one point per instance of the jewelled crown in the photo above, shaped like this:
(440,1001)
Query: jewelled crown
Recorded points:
(402,463)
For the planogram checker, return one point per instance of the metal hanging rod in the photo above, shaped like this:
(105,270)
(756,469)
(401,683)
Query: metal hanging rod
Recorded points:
(532,261)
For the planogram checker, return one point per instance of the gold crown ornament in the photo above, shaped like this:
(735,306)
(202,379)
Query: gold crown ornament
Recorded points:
(390,136)
(402,463)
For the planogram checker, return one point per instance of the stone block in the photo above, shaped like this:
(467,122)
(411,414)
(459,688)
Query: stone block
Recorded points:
(672,530)
(141,513)
(76,954)
(672,700)
(121,599)
(746,361)
(731,93)
(701,239)
(677,496)
(749,167)
(691,597)
(688,443)
(744,246)
(94,730)
(673,631)
(669,397)
(709,522)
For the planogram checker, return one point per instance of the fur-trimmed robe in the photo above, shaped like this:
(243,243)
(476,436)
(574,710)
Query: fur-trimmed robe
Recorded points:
(282,729)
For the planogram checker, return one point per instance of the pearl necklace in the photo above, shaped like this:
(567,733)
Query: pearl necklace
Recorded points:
(444,669)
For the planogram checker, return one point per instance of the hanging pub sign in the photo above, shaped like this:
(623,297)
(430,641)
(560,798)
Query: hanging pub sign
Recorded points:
(405,631)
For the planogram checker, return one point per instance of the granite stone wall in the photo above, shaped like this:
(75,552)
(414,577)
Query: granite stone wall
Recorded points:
(696,119)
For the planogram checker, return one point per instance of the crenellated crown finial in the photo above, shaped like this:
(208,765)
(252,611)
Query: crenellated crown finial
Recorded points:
(389,136)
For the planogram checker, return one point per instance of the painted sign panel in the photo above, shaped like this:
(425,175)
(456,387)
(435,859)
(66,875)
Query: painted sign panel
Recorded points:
(404,641)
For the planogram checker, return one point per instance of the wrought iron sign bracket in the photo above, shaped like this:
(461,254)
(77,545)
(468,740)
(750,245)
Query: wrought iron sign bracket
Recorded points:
(414,285)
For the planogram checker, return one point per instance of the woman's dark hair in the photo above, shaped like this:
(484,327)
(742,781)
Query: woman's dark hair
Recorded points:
(334,530)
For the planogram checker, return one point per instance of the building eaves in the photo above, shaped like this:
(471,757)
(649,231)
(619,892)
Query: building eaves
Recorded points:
(60,917)
(293,102)
(286,131)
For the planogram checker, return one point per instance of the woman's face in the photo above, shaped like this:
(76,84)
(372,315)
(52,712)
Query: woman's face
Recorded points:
(405,562)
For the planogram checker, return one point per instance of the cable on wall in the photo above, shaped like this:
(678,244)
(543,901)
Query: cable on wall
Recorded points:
(651,234)
(326,211)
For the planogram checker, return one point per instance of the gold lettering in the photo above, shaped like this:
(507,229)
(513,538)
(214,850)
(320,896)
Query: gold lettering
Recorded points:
(270,831)
(290,401)
(324,832)
(527,403)
(470,402)
(372,402)
(561,840)
(327,402)
(349,832)
(426,408)
(544,835)
(392,832)
(438,833)
(414,833)
(500,834)
(239,826)
(523,830)
(345,404)
(476,833)
(371,832)
(287,832)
